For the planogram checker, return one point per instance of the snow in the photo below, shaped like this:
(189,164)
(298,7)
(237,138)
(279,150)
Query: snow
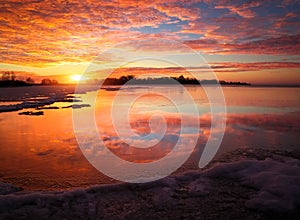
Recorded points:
(271,185)
(277,182)
(40,96)
(6,188)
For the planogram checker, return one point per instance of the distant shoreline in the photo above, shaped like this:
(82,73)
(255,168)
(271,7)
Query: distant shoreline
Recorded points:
(227,84)
(20,83)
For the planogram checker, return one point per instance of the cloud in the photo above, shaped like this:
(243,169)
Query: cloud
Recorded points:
(178,10)
(254,66)
(40,33)
(243,10)
(51,32)
(216,67)
(277,45)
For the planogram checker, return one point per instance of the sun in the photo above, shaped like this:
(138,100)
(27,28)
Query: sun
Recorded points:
(76,77)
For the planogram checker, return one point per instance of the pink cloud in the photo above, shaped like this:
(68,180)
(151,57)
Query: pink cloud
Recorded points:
(50,32)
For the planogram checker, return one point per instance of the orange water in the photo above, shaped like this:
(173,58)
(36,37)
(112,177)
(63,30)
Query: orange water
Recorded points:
(41,152)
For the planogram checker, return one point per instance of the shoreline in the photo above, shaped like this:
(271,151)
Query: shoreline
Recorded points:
(246,183)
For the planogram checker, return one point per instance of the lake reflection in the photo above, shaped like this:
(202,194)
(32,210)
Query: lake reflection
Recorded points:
(41,152)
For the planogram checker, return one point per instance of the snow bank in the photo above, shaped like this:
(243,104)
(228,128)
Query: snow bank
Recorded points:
(277,182)
(237,189)
(6,188)
(40,96)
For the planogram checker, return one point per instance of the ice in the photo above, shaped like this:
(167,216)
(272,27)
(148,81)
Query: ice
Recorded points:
(277,182)
(39,97)
(6,188)
(267,187)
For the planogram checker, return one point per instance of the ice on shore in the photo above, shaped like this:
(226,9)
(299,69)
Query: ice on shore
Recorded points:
(40,97)
(6,188)
(277,182)
(259,188)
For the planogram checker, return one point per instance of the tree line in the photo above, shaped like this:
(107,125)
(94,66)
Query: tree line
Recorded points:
(9,78)
(166,80)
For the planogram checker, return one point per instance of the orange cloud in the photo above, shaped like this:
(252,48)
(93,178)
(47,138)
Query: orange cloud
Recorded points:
(278,45)
(41,33)
(243,10)
(220,67)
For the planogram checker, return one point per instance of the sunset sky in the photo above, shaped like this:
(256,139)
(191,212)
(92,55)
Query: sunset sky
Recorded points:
(252,41)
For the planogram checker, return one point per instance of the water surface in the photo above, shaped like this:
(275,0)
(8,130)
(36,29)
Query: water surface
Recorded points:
(41,152)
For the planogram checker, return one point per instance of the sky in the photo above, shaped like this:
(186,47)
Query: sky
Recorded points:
(253,41)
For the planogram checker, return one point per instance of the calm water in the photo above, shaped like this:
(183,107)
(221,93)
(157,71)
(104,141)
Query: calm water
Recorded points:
(41,152)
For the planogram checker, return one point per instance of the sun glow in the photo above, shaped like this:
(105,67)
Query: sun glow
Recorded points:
(76,77)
